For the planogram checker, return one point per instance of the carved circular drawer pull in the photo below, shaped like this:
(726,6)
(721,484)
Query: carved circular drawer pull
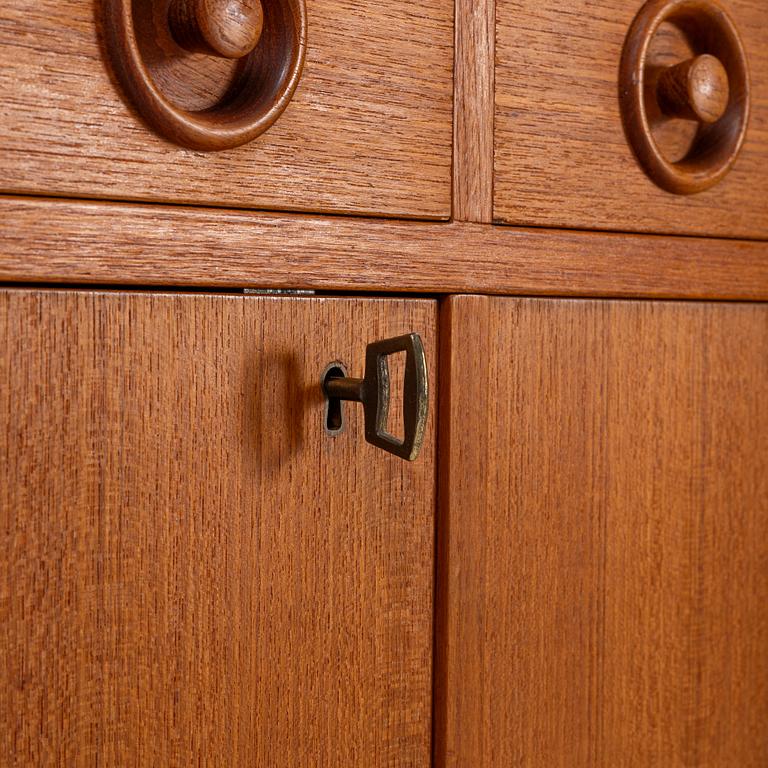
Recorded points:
(170,55)
(710,87)
(696,89)
(225,28)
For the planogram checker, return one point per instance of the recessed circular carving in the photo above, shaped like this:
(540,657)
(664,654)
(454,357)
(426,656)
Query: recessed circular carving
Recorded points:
(207,74)
(709,89)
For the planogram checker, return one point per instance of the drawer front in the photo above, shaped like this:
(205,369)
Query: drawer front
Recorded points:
(368,129)
(192,571)
(561,154)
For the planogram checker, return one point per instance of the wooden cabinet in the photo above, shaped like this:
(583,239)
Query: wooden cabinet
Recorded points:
(603,534)
(192,570)
(195,570)
(562,158)
(367,131)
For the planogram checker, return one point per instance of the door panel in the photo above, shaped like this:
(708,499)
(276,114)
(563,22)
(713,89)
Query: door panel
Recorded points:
(193,572)
(603,534)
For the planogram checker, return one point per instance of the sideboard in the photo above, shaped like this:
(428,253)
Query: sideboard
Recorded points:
(531,238)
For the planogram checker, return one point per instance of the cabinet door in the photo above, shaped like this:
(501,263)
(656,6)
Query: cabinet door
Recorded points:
(193,572)
(603,534)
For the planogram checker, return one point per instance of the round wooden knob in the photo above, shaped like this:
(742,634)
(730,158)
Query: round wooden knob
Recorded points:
(696,89)
(147,39)
(228,28)
(710,87)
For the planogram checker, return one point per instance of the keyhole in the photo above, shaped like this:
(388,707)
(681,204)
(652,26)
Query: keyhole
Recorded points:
(334,407)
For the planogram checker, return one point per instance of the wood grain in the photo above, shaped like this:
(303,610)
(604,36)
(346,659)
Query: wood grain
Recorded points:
(561,156)
(369,129)
(192,572)
(603,534)
(475,24)
(58,241)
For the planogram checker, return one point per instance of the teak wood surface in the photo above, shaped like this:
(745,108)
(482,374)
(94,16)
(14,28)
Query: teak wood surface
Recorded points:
(561,156)
(81,242)
(473,110)
(191,571)
(603,534)
(369,129)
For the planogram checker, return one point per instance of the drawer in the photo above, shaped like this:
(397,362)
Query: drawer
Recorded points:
(368,129)
(562,156)
(193,571)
